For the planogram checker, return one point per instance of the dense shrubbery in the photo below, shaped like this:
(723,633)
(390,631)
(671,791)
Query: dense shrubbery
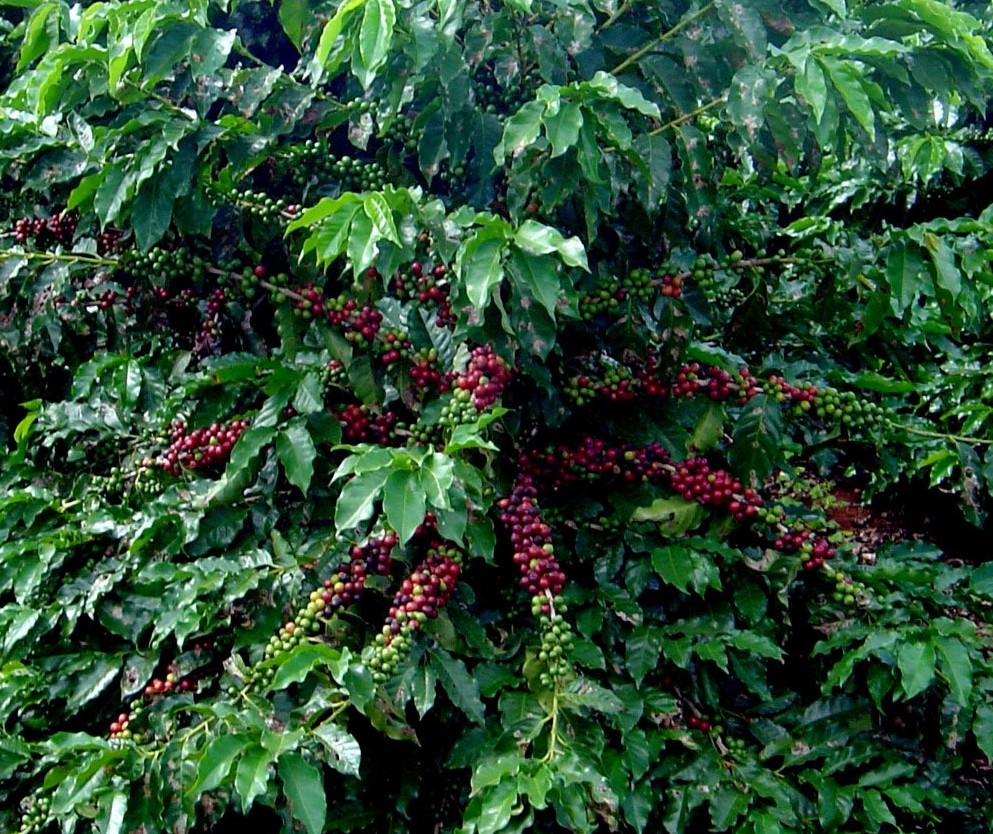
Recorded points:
(455,416)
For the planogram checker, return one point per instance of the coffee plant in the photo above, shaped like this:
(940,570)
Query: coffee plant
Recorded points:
(481,418)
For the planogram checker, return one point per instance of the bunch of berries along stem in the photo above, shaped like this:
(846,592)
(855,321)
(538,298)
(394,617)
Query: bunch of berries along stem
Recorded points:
(541,576)
(344,586)
(426,372)
(59,229)
(201,448)
(122,727)
(475,389)
(485,377)
(421,597)
(359,424)
(428,286)
(562,468)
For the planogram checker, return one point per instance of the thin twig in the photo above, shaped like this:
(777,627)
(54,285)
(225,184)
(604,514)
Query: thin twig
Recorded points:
(675,30)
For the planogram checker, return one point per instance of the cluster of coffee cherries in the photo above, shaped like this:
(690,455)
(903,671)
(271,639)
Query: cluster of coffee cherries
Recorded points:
(168,265)
(844,409)
(531,540)
(343,587)
(217,304)
(477,388)
(485,377)
(696,722)
(35,817)
(264,205)
(359,424)
(60,228)
(426,372)
(716,383)
(813,548)
(608,381)
(314,157)
(334,374)
(847,591)
(420,598)
(718,279)
(695,481)
(110,241)
(847,410)
(499,99)
(347,583)
(122,727)
(564,466)
(394,345)
(610,295)
(208,446)
(429,287)
(360,324)
(541,575)
(403,131)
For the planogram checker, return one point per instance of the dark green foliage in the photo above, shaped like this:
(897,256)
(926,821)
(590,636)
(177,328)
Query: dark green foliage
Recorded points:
(453,416)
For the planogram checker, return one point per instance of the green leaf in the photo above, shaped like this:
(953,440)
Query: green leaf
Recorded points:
(562,125)
(726,806)
(520,131)
(674,515)
(379,212)
(876,808)
(675,565)
(295,16)
(709,429)
(755,644)
(346,755)
(982,729)
(326,59)
(296,665)
(296,451)
(538,239)
(437,474)
(375,37)
(404,503)
(849,82)
(757,440)
(252,776)
(955,666)
(497,807)
(460,686)
(539,276)
(113,823)
(608,87)
(916,662)
(812,85)
(216,763)
(480,265)
(355,504)
(304,788)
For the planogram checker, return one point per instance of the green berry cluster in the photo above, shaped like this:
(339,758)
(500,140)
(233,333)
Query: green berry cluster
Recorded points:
(165,266)
(847,591)
(493,97)
(849,411)
(314,157)
(36,816)
(404,132)
(264,205)
(612,294)
(556,638)
(718,280)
